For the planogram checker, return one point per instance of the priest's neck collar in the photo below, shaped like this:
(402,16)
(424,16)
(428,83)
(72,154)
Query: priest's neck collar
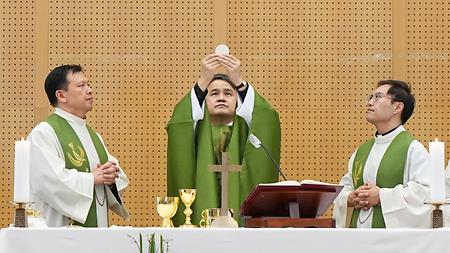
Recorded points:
(69,116)
(386,133)
(222,124)
(389,135)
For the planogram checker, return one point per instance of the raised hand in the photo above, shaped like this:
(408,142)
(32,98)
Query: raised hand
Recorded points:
(233,66)
(209,63)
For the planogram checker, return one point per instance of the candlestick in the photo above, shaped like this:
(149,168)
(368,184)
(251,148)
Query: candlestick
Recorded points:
(20,216)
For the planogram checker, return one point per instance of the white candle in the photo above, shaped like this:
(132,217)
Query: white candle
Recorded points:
(437,171)
(22,172)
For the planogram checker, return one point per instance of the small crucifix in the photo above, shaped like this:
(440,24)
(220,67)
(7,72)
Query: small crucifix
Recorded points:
(224,168)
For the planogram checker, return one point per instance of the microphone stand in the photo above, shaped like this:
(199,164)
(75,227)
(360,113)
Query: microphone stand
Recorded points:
(273,161)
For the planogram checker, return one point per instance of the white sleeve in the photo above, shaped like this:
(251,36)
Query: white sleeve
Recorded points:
(245,108)
(447,181)
(197,108)
(122,181)
(68,191)
(403,205)
(446,208)
(340,203)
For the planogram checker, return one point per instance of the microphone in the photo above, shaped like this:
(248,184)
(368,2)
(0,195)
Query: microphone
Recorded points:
(257,144)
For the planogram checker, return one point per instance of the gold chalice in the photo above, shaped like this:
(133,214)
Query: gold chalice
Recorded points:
(187,197)
(167,207)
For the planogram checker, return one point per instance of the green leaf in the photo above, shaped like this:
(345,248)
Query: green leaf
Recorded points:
(140,243)
(152,248)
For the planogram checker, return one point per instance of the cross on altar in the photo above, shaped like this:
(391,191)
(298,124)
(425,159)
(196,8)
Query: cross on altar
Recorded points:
(224,168)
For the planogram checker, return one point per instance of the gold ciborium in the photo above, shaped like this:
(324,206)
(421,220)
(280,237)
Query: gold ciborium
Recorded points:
(167,207)
(187,197)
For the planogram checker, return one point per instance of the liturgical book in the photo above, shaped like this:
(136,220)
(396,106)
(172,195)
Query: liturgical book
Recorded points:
(275,200)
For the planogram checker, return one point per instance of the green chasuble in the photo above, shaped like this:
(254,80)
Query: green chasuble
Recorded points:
(390,171)
(75,156)
(190,152)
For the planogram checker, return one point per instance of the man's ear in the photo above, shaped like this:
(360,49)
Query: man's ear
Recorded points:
(60,96)
(398,107)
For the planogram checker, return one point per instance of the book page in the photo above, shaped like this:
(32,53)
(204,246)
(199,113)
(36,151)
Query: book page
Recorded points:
(288,182)
(308,181)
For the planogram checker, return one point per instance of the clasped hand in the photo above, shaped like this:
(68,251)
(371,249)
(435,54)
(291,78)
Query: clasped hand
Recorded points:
(365,197)
(106,173)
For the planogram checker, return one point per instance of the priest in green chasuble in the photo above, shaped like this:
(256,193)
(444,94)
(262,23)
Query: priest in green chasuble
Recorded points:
(217,115)
(387,181)
(74,179)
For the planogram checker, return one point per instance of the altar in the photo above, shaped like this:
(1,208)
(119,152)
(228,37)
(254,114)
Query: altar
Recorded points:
(199,240)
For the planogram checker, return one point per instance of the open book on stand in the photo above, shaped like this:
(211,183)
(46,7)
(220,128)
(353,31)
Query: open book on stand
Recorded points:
(303,182)
(290,199)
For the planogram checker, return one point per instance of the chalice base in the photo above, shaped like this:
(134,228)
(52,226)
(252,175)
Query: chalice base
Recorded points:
(167,223)
(188,226)
(224,222)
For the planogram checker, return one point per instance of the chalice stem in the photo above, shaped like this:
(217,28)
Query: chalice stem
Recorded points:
(188,213)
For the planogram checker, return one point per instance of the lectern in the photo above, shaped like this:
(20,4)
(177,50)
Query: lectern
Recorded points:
(298,206)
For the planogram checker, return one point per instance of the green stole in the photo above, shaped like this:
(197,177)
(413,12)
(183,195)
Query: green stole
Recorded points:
(189,153)
(75,156)
(221,138)
(390,171)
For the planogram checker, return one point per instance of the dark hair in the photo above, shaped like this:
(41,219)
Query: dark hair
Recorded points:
(57,80)
(401,92)
(223,77)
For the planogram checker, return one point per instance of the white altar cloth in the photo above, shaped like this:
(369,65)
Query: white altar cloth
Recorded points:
(119,239)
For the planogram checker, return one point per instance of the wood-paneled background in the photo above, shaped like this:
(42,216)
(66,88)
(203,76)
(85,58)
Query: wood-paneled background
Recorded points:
(315,61)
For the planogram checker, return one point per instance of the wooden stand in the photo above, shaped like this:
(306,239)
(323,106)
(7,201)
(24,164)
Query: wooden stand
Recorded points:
(274,222)
(299,206)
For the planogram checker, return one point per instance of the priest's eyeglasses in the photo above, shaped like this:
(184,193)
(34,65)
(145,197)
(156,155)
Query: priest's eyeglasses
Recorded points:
(376,97)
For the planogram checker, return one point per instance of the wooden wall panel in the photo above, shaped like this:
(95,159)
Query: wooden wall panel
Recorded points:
(428,68)
(17,97)
(315,61)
